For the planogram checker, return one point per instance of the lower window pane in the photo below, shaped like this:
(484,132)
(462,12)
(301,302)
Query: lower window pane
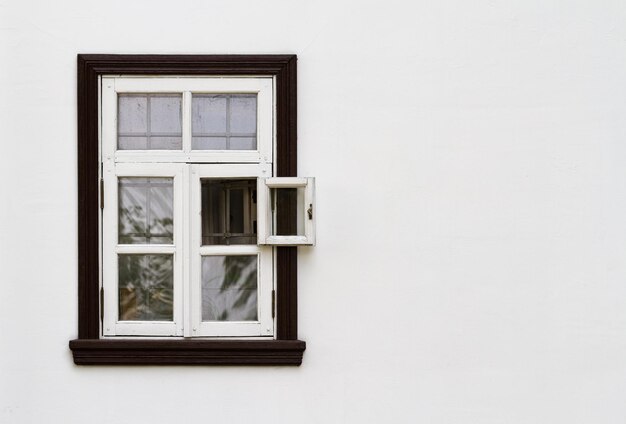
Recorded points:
(146,290)
(229,288)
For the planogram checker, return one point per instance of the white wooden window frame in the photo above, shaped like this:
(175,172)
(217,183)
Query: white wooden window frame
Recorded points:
(307,211)
(180,164)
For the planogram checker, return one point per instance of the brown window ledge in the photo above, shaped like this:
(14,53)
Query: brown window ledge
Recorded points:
(187,352)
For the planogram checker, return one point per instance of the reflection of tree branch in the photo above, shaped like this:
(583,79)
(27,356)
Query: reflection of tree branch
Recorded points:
(234,278)
(146,287)
(132,225)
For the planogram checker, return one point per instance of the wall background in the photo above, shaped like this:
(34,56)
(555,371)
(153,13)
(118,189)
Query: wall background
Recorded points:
(471,166)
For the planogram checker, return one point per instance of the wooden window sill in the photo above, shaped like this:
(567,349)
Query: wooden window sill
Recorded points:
(187,352)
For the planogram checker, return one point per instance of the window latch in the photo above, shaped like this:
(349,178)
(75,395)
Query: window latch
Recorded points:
(310,211)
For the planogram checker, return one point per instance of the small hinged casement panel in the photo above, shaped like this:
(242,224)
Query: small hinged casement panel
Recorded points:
(286,211)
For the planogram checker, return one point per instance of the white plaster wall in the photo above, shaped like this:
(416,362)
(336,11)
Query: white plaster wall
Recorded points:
(471,178)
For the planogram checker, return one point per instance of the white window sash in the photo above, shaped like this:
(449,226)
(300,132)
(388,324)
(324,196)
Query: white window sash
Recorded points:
(265,236)
(112,326)
(264,326)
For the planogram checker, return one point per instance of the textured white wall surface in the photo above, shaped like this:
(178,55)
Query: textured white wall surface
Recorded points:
(471,182)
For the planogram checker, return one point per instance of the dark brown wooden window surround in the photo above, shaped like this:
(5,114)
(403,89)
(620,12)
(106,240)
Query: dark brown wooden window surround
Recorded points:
(90,348)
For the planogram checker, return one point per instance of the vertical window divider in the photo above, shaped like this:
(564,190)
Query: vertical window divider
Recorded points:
(186,121)
(186,245)
(187,250)
(228,121)
(148,121)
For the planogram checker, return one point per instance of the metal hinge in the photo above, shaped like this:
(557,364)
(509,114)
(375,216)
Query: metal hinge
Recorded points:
(273,303)
(101,304)
(101,193)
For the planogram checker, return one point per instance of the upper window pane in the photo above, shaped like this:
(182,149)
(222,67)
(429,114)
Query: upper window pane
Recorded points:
(149,122)
(224,122)
(146,214)
(229,211)
(243,115)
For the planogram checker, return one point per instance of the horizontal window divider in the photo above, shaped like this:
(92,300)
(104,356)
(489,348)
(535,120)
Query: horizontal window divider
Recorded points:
(150,134)
(195,156)
(286,240)
(228,328)
(154,94)
(147,249)
(215,94)
(226,85)
(230,134)
(225,235)
(285,182)
(233,249)
(138,328)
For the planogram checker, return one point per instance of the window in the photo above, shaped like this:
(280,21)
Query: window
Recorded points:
(187,243)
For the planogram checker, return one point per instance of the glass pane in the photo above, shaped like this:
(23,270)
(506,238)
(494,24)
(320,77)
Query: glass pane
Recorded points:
(208,143)
(229,211)
(133,114)
(224,122)
(229,288)
(208,114)
(149,122)
(243,114)
(132,143)
(165,114)
(146,289)
(165,143)
(287,211)
(145,210)
(243,143)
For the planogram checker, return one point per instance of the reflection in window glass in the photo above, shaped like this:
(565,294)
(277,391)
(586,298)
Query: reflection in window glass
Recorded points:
(287,213)
(145,213)
(229,288)
(145,287)
(229,211)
